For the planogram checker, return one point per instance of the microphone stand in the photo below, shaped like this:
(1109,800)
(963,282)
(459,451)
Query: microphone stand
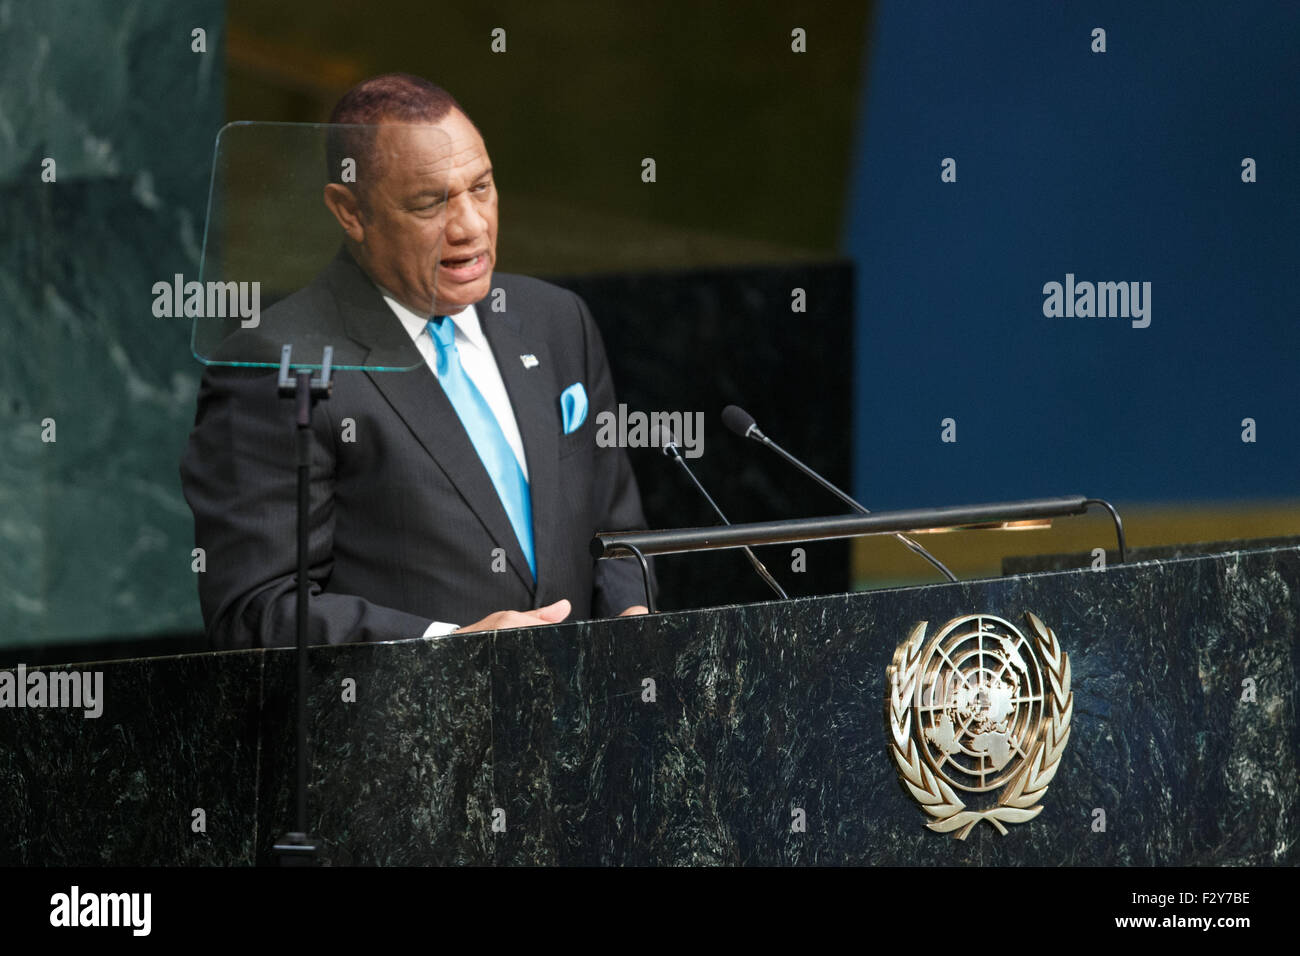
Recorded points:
(911,545)
(670,449)
(742,423)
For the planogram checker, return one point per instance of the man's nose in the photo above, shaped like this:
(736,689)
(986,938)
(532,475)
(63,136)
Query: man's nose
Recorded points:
(465,221)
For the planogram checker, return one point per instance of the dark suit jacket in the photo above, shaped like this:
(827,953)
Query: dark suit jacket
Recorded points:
(404,518)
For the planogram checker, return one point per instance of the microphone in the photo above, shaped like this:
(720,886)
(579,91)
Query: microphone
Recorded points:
(742,423)
(668,445)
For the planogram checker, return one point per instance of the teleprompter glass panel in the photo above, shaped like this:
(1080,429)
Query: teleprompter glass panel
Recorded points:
(301,217)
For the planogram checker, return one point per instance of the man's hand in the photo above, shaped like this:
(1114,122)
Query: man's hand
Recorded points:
(634,609)
(500,620)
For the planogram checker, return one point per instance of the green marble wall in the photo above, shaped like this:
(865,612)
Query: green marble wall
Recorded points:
(94,533)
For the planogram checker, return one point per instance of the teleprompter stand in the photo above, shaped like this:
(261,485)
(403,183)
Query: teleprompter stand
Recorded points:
(298,847)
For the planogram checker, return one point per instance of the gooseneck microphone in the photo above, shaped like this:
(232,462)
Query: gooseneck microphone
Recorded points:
(742,423)
(669,447)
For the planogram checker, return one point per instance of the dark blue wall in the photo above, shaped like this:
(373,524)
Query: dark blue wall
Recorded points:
(1123,165)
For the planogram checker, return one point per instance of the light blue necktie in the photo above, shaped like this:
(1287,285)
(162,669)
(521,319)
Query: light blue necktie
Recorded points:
(485,432)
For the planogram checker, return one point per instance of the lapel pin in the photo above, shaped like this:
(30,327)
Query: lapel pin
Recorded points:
(530,361)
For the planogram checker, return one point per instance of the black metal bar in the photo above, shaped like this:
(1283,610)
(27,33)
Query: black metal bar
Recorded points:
(623,544)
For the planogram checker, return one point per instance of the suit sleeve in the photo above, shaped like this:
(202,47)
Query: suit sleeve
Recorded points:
(240,479)
(618,583)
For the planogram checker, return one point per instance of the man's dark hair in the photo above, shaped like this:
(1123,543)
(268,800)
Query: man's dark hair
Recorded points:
(389,98)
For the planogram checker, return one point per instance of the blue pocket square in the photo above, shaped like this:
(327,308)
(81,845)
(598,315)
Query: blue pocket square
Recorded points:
(573,407)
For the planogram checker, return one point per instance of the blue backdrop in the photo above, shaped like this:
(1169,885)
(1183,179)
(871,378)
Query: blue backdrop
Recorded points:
(1117,166)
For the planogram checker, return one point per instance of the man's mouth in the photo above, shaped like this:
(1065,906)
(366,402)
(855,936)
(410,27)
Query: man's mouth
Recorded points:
(463,268)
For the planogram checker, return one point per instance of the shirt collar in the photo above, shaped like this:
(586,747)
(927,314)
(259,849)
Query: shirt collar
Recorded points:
(467,321)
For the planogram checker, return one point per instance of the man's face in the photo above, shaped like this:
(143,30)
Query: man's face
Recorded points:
(436,256)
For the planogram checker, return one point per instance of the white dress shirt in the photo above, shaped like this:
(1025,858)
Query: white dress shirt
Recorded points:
(477,360)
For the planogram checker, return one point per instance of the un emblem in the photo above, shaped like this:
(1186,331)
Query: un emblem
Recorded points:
(983,709)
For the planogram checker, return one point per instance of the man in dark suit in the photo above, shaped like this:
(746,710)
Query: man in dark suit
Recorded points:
(441,497)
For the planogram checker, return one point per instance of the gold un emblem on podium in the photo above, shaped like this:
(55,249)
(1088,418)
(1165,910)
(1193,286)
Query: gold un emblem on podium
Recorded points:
(979,712)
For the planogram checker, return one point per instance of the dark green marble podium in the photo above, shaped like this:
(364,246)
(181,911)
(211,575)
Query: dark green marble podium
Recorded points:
(539,747)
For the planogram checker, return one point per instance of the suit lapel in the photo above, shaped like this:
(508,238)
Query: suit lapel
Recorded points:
(535,400)
(423,406)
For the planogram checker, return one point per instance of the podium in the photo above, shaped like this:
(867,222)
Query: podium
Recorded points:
(738,735)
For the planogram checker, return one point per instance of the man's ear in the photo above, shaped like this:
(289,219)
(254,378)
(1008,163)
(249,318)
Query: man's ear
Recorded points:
(342,202)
